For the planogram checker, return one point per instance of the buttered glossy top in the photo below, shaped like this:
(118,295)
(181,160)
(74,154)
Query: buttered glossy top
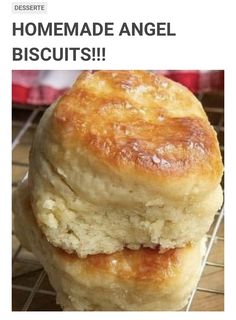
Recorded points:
(143,264)
(138,120)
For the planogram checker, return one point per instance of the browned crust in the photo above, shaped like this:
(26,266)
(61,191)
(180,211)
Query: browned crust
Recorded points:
(144,264)
(103,113)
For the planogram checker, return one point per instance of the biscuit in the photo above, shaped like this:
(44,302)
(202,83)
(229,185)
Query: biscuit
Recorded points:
(125,159)
(129,280)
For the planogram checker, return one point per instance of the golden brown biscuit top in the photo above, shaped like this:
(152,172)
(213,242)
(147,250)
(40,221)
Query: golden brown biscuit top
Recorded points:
(138,120)
(143,264)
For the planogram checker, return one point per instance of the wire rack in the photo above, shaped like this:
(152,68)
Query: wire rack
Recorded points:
(31,290)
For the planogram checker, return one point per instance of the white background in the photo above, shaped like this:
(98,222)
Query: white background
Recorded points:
(202,29)
(205,39)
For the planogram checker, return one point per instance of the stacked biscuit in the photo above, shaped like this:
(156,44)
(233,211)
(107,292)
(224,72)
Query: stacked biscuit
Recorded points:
(124,182)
